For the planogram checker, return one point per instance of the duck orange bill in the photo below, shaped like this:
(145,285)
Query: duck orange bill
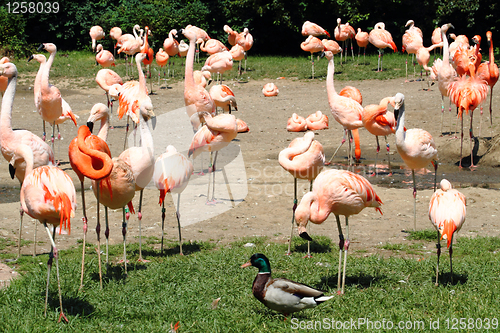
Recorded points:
(248,263)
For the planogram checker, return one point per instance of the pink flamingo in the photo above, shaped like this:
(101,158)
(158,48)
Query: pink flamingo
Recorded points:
(339,192)
(447,213)
(196,98)
(115,33)
(312,29)
(378,121)
(412,42)
(172,173)
(171,47)
(362,41)
(10,139)
(104,57)
(201,35)
(231,35)
(381,38)
(415,146)
(317,121)
(270,90)
(105,78)
(458,41)
(242,126)
(467,59)
(436,38)
(313,45)
(216,134)
(52,106)
(183,49)
(213,46)
(161,58)
(423,57)
(96,33)
(296,123)
(218,63)
(238,54)
(488,71)
(346,111)
(245,39)
(304,159)
(48,195)
(331,45)
(130,44)
(202,78)
(344,32)
(223,97)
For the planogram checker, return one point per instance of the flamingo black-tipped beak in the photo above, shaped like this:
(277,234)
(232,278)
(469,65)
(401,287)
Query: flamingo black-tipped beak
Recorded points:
(396,112)
(30,58)
(305,236)
(90,125)
(322,55)
(12,171)
(40,47)
(147,57)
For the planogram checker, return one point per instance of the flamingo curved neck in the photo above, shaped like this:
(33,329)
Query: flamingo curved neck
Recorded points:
(330,87)
(189,78)
(446,50)
(46,71)
(6,112)
(286,155)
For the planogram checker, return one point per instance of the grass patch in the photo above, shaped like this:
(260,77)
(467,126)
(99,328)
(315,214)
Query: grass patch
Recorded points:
(172,288)
(426,235)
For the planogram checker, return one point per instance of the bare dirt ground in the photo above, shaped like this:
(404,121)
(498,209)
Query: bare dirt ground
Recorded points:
(256,194)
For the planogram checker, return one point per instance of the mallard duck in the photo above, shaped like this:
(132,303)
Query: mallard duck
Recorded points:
(280,294)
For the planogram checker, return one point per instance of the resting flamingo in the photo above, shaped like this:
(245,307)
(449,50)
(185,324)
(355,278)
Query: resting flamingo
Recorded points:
(317,121)
(96,33)
(10,139)
(213,46)
(242,126)
(331,45)
(339,192)
(415,146)
(344,32)
(304,159)
(183,49)
(312,29)
(171,47)
(296,123)
(104,57)
(381,38)
(48,195)
(172,173)
(270,90)
(412,42)
(90,157)
(447,210)
(313,45)
(378,121)
(362,41)
(223,97)
(488,71)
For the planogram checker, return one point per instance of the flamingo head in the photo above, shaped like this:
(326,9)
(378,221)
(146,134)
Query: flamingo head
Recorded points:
(445,27)
(99,111)
(445,185)
(477,39)
(489,36)
(399,101)
(409,23)
(8,70)
(49,47)
(99,48)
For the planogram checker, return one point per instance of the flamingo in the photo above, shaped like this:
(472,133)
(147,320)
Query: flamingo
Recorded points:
(331,45)
(218,63)
(104,57)
(213,46)
(48,195)
(445,73)
(171,47)
(378,121)
(200,36)
(106,78)
(161,58)
(231,35)
(96,33)
(467,59)
(150,55)
(415,146)
(362,41)
(216,134)
(245,39)
(381,38)
(130,44)
(270,90)
(346,111)
(296,123)
(412,42)
(202,78)
(242,126)
(10,139)
(172,173)
(313,45)
(339,192)
(90,157)
(238,54)
(312,29)
(488,71)
(223,97)
(196,98)
(317,121)
(115,33)
(344,32)
(304,159)
(447,213)
(51,106)
(183,49)
(458,41)
(436,38)
(3,79)
(423,56)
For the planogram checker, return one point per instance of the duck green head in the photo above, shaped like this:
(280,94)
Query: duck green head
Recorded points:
(260,261)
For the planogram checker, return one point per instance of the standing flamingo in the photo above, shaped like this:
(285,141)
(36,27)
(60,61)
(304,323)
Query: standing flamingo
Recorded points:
(104,57)
(96,33)
(171,46)
(339,192)
(216,134)
(423,57)
(412,42)
(150,56)
(172,173)
(238,54)
(416,147)
(362,41)
(202,78)
(90,157)
(115,33)
(447,214)
(245,39)
(378,121)
(331,45)
(218,63)
(296,123)
(213,46)
(381,38)
(161,58)
(130,45)
(183,49)
(105,78)
(436,38)
(223,97)
(48,195)
(346,111)
(313,45)
(10,139)
(467,59)
(344,32)
(201,35)
(488,71)
(304,159)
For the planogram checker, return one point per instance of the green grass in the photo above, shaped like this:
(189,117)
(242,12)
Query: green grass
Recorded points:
(172,288)
(427,234)
(80,68)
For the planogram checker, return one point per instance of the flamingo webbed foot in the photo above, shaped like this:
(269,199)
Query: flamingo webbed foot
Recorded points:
(63,316)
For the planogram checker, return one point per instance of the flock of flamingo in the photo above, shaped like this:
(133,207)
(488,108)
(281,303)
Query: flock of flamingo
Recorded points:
(48,193)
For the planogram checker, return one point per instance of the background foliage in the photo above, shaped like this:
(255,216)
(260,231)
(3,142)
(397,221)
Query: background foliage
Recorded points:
(274,24)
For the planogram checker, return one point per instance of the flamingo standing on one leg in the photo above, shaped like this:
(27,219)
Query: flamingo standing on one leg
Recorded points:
(362,41)
(161,58)
(10,139)
(304,159)
(412,42)
(115,33)
(171,46)
(339,192)
(313,45)
(379,122)
(344,32)
(172,173)
(423,57)
(130,44)
(416,147)
(245,39)
(231,35)
(381,38)
(48,195)
(150,56)
(96,33)
(447,214)
(90,157)
(488,71)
